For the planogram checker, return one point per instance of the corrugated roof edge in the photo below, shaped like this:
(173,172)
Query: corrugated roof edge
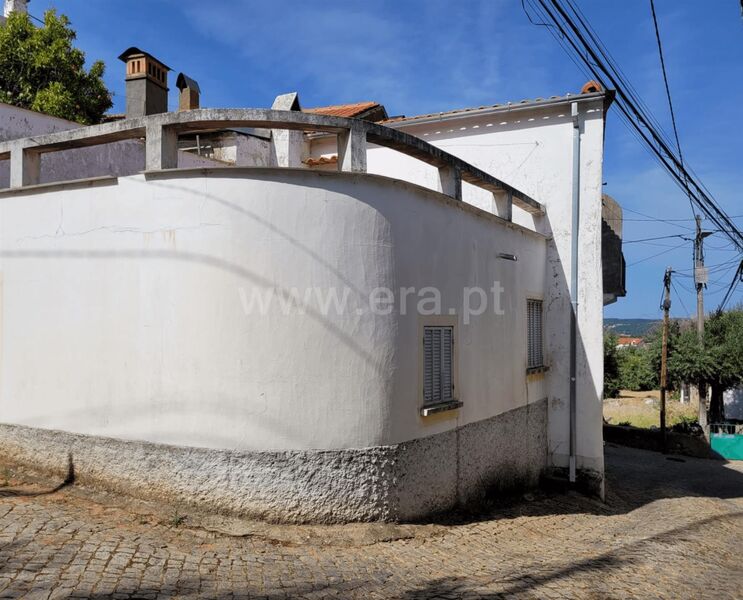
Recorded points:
(607,96)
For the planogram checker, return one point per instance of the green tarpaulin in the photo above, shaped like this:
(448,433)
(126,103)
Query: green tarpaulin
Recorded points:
(728,445)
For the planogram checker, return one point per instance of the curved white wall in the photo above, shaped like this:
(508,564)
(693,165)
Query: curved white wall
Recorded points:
(122,314)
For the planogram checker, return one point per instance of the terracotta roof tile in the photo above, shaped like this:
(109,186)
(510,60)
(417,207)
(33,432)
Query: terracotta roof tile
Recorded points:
(343,110)
(323,160)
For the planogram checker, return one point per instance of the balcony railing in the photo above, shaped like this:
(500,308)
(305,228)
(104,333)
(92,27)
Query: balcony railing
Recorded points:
(161,147)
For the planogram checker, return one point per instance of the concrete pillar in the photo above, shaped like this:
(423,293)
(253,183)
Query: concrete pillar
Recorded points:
(504,204)
(287,144)
(352,150)
(25,167)
(162,148)
(450,182)
(287,147)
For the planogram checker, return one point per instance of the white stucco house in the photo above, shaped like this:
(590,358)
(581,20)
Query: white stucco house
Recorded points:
(305,315)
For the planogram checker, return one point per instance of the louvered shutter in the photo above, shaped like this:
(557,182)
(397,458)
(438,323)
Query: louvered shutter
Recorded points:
(535,357)
(438,357)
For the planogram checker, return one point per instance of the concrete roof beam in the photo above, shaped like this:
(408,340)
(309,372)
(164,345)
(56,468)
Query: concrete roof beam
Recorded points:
(162,130)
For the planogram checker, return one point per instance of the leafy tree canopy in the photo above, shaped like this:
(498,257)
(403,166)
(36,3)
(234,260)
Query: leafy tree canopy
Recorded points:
(719,362)
(723,340)
(41,70)
(636,370)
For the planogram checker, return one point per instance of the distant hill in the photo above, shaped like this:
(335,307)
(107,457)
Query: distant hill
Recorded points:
(631,327)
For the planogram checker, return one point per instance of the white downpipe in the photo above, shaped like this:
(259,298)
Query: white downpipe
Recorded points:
(574,286)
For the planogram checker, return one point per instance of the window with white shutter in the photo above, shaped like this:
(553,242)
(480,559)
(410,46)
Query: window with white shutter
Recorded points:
(438,365)
(534,334)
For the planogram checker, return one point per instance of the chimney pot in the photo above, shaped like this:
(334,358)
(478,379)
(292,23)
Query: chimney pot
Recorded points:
(146,84)
(189,92)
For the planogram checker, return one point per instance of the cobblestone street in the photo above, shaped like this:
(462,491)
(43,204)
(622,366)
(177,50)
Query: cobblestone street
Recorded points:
(671,528)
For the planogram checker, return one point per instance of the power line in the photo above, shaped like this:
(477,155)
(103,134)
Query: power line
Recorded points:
(670,102)
(612,62)
(559,38)
(651,218)
(637,262)
(733,284)
(713,268)
(641,120)
(653,239)
(678,295)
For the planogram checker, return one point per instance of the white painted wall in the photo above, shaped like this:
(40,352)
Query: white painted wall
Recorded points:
(733,402)
(423,244)
(125,296)
(531,149)
(18,123)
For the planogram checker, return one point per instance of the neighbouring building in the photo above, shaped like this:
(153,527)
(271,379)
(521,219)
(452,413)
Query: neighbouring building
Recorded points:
(306,314)
(733,404)
(624,341)
(10,6)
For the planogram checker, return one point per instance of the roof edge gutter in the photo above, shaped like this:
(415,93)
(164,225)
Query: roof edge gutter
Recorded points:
(507,108)
(607,97)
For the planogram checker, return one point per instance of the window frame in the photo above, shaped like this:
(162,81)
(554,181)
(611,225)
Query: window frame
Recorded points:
(535,368)
(429,408)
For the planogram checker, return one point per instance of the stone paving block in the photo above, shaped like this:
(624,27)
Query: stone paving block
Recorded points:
(650,538)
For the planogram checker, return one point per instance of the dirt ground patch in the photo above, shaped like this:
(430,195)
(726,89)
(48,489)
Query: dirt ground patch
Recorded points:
(642,409)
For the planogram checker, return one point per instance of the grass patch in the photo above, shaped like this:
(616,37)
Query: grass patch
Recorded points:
(176,518)
(642,409)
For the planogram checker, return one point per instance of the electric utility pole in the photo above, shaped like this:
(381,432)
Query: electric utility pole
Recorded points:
(666,306)
(700,280)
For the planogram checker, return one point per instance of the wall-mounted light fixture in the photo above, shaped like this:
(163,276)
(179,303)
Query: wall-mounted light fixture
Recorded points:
(507,256)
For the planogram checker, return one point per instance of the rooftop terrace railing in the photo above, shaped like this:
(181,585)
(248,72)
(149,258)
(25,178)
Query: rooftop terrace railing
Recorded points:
(161,147)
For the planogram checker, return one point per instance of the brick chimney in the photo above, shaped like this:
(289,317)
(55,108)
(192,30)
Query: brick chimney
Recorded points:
(190,91)
(146,84)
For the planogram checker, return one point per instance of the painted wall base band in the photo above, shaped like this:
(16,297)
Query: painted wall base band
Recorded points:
(404,482)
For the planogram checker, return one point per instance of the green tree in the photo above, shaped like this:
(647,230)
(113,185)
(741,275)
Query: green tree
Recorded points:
(688,361)
(41,70)
(654,345)
(611,367)
(723,341)
(636,371)
(718,364)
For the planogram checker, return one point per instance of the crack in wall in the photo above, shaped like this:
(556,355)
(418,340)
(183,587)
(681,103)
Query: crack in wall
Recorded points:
(60,232)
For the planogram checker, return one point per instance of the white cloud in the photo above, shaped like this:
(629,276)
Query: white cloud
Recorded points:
(425,56)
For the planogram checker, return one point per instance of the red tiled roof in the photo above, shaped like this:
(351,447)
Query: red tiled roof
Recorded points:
(343,110)
(629,341)
(323,160)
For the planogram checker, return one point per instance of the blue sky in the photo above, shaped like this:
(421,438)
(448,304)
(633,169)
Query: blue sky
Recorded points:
(421,56)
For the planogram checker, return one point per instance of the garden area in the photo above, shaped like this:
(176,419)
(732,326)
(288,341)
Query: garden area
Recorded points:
(632,372)
(642,409)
